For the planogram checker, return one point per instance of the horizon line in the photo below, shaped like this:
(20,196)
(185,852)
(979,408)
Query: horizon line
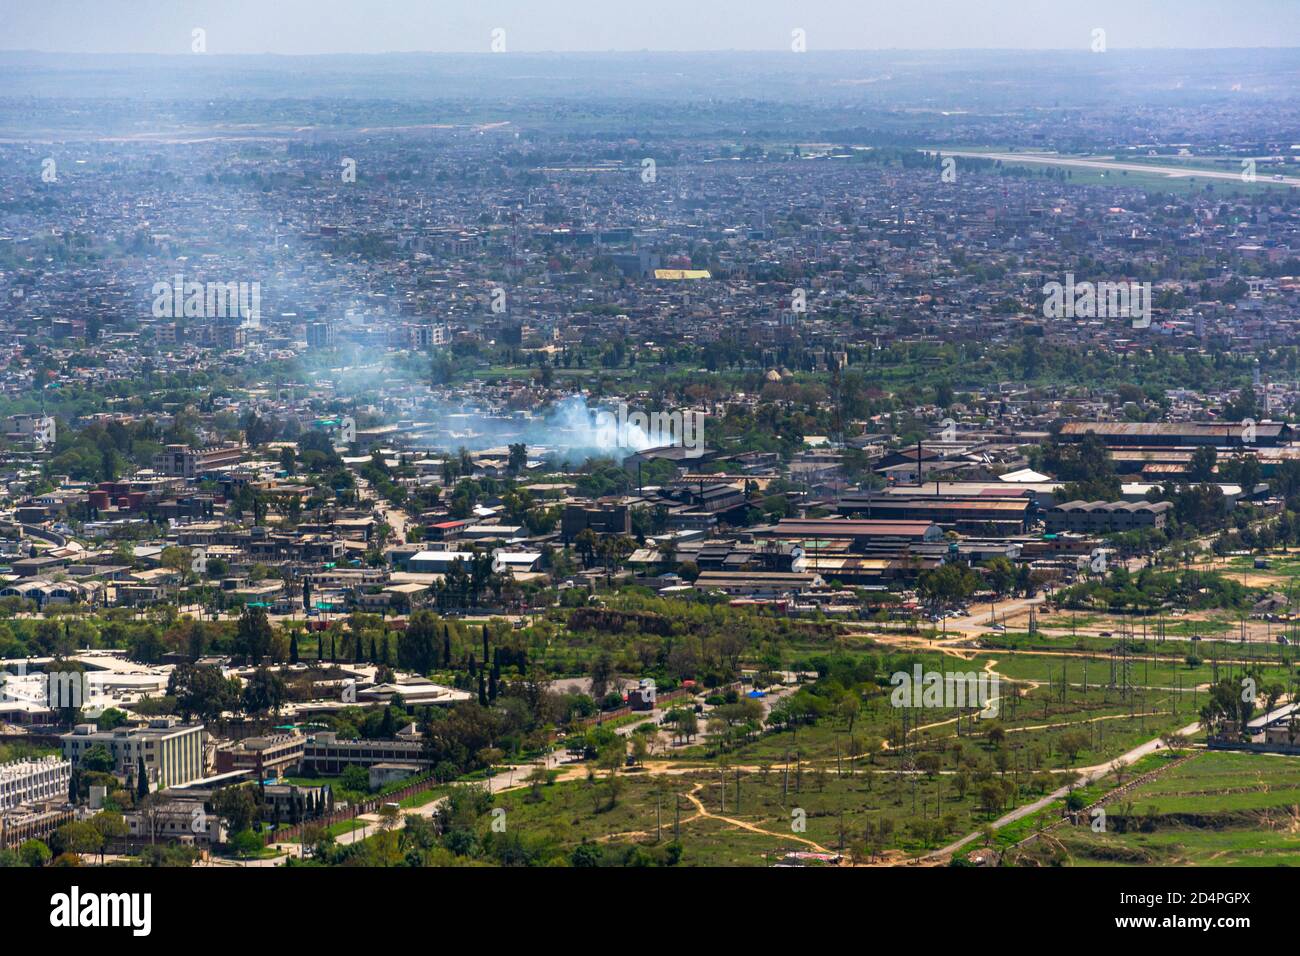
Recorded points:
(643,51)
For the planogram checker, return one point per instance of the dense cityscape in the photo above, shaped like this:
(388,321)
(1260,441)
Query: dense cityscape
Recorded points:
(807,467)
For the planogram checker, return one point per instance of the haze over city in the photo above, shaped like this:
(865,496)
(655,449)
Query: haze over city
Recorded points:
(845,436)
(296,27)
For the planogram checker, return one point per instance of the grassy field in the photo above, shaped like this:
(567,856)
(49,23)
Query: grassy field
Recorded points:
(1153,182)
(1218,781)
(778,812)
(336,830)
(1217,809)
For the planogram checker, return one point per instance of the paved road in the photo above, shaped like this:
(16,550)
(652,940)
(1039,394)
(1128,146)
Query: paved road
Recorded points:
(982,616)
(1087,775)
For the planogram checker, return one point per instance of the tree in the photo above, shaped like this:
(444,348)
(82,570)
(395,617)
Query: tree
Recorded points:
(1226,712)
(264,691)
(141,779)
(602,669)
(610,758)
(202,691)
(640,748)
(518,459)
(1072,743)
(684,723)
(246,843)
(78,837)
(1201,466)
(176,559)
(254,634)
(992,797)
(929,763)
(1173,740)
(97,759)
(111,827)
(585,544)
(946,584)
(355,778)
(237,806)
(1001,575)
(110,718)
(34,853)
(1086,469)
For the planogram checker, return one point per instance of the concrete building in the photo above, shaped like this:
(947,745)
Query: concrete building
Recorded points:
(179,821)
(269,757)
(326,754)
(18,826)
(172,751)
(1005,515)
(1106,517)
(34,781)
(382,774)
(320,335)
(185,462)
(290,803)
(1179,434)
(604,517)
(642,697)
(37,428)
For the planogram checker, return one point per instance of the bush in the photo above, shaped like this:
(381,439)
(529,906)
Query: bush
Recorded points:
(246,843)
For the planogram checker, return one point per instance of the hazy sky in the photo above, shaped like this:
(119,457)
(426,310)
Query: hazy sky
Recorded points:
(377,26)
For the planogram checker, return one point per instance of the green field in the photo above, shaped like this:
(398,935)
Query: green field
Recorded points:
(1216,809)
(920,812)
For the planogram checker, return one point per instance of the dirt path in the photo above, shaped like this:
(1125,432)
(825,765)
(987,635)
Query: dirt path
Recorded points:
(703,812)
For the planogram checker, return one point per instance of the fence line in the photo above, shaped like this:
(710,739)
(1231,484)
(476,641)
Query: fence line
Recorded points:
(369,805)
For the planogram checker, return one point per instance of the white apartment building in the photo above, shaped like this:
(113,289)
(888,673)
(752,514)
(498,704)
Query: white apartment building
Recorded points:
(34,781)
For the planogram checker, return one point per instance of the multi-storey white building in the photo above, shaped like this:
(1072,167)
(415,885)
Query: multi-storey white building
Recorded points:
(34,781)
(172,752)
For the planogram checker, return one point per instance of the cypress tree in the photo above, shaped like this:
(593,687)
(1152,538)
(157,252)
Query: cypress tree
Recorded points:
(482,691)
(446,646)
(141,778)
(293,647)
